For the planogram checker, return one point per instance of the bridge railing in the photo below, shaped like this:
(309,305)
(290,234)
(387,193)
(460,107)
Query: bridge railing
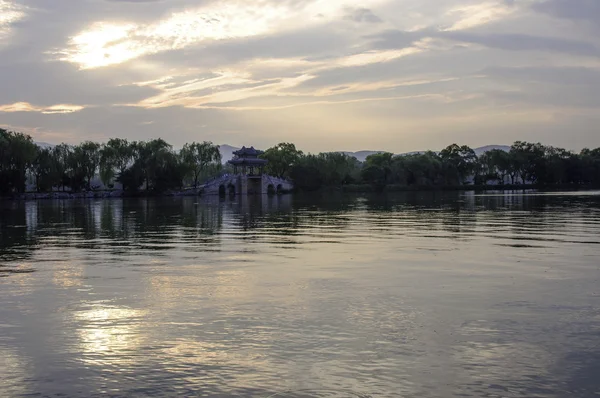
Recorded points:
(223,179)
(226,179)
(279,180)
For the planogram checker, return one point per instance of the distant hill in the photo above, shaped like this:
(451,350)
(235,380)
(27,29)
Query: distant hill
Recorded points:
(43,145)
(362,155)
(488,148)
(227,152)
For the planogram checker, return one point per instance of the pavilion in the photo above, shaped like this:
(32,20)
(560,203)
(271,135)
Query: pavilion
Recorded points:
(246,161)
(248,177)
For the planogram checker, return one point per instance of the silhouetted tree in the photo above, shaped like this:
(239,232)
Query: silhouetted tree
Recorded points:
(87,158)
(115,157)
(459,162)
(378,169)
(42,170)
(155,166)
(61,155)
(527,160)
(199,158)
(281,158)
(17,154)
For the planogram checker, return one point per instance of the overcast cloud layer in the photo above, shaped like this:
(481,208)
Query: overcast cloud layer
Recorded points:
(398,75)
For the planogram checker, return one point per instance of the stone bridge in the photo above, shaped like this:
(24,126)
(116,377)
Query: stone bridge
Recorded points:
(242,184)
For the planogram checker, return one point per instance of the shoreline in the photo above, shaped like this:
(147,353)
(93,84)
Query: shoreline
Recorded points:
(95,195)
(362,188)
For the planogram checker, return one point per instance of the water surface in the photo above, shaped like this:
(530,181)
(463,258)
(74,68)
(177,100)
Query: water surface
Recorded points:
(408,295)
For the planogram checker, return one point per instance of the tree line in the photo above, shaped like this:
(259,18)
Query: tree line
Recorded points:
(155,166)
(524,164)
(151,165)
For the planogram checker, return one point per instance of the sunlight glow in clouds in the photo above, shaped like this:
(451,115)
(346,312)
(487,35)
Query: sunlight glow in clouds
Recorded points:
(479,14)
(229,83)
(105,43)
(382,69)
(48,110)
(10,13)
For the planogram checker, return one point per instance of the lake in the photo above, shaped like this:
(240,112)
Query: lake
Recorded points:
(406,295)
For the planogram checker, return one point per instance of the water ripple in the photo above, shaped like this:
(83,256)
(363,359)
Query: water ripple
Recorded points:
(409,295)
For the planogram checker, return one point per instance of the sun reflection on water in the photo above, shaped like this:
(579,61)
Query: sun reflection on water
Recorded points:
(107,334)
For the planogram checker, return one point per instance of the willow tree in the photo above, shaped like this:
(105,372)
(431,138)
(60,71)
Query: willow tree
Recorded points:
(60,156)
(115,157)
(17,154)
(199,159)
(88,157)
(42,170)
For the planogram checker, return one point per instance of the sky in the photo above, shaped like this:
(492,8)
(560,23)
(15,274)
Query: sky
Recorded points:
(395,75)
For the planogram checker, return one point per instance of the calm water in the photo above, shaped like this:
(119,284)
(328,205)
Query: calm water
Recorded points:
(413,295)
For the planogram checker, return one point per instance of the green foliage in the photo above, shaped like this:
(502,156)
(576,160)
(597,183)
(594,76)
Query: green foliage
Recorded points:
(131,178)
(200,160)
(332,169)
(456,165)
(378,169)
(527,160)
(282,157)
(339,168)
(87,157)
(61,155)
(115,157)
(42,170)
(375,176)
(498,163)
(459,162)
(17,155)
(420,169)
(154,165)
(590,166)
(306,174)
(150,157)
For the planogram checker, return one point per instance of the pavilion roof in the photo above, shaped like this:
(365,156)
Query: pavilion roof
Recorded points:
(248,161)
(248,152)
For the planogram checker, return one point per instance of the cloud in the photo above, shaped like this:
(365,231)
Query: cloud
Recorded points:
(571,76)
(473,15)
(283,48)
(582,10)
(362,15)
(48,83)
(238,84)
(10,13)
(100,124)
(397,73)
(48,110)
(134,1)
(525,42)
(558,87)
(394,38)
(110,43)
